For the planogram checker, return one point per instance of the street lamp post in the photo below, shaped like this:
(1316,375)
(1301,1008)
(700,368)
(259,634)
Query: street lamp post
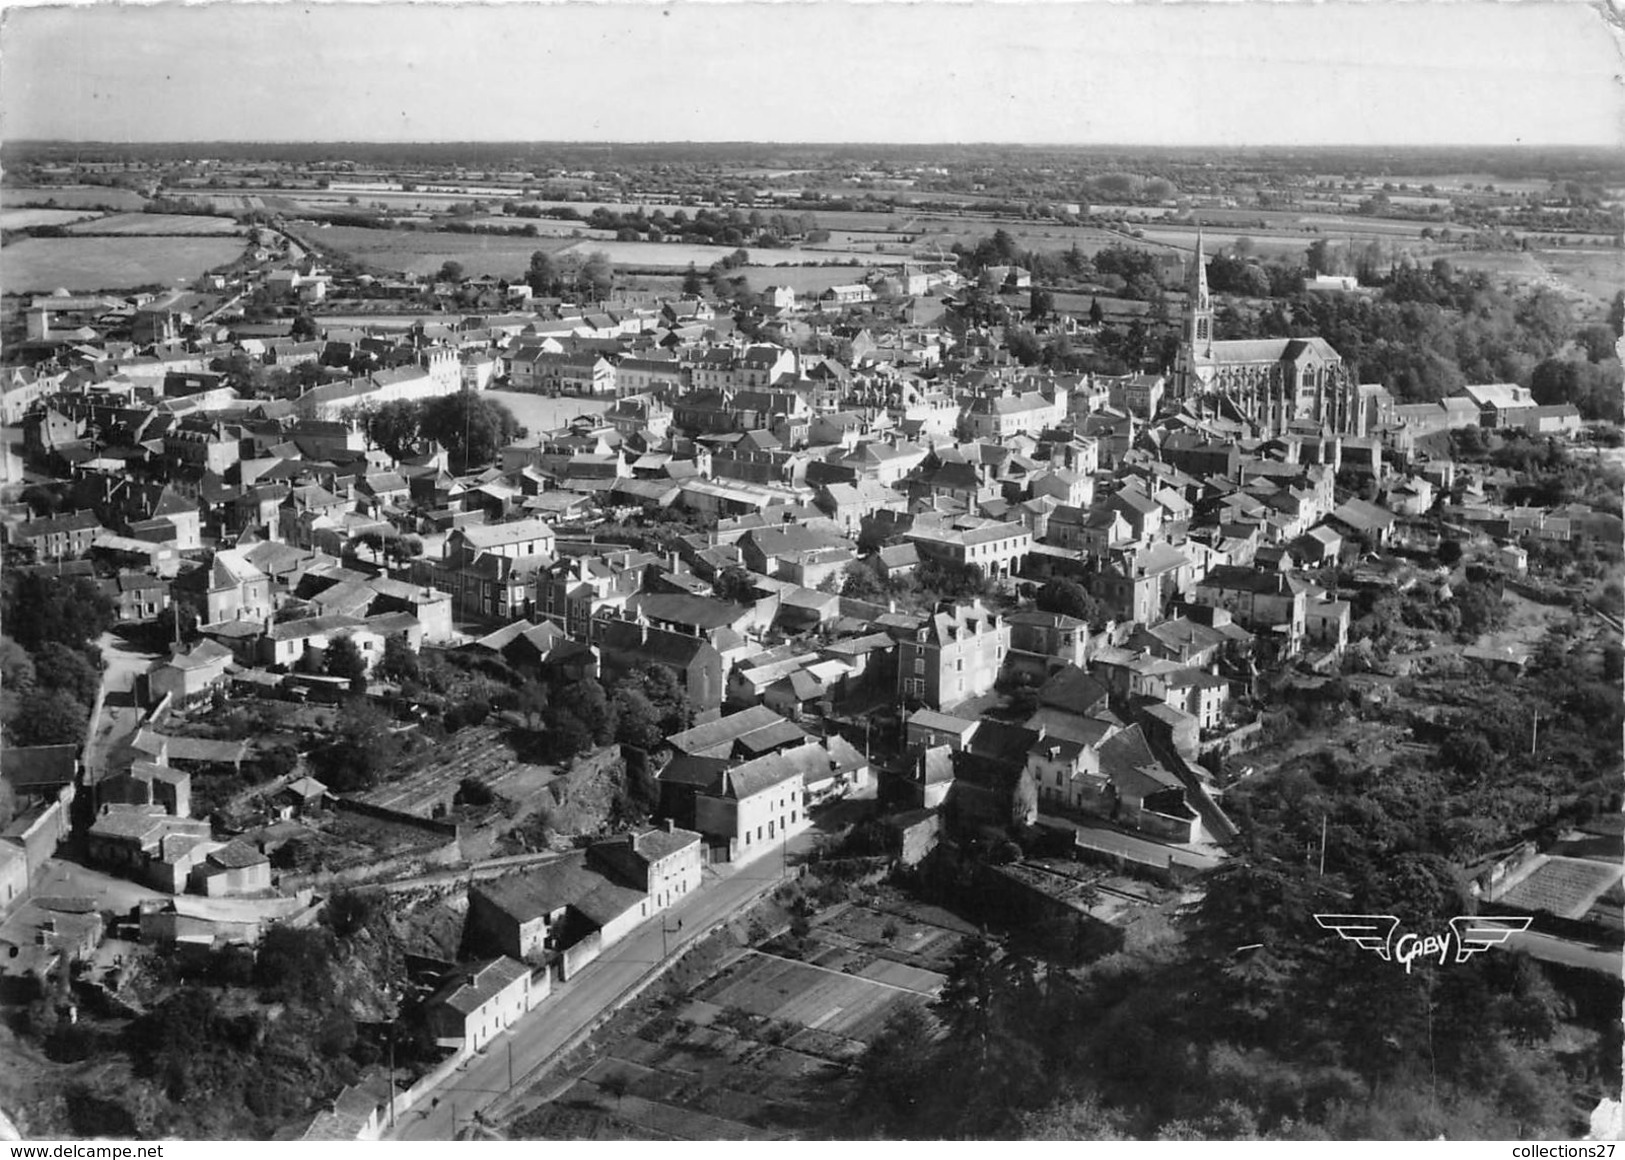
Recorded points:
(664,931)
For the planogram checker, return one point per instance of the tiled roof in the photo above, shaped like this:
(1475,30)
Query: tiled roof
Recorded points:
(472,989)
(764,773)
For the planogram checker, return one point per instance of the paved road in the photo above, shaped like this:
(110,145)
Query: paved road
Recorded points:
(118,716)
(1574,954)
(575,1004)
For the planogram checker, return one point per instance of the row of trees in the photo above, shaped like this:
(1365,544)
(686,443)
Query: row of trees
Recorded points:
(471,427)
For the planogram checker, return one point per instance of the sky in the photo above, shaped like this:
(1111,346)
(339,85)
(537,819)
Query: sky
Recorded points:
(1242,72)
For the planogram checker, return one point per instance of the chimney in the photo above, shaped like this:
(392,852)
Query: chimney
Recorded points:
(665,824)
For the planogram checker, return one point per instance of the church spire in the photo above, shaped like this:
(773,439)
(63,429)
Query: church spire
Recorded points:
(1199,305)
(1198,278)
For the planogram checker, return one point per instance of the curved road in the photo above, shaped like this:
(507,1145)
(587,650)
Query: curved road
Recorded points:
(115,716)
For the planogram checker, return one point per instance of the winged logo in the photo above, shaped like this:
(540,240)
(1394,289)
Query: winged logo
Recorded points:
(1479,932)
(1372,932)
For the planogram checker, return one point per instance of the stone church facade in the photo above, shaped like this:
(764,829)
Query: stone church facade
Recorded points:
(1272,383)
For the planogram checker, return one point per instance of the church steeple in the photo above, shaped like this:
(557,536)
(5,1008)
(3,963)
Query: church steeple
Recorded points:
(1199,309)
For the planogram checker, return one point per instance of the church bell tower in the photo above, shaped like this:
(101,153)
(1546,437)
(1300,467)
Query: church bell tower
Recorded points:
(1199,308)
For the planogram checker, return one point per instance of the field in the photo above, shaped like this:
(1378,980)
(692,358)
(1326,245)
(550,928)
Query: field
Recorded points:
(156,224)
(818,999)
(72,196)
(1596,274)
(802,279)
(678,255)
(425,251)
(1567,887)
(86,264)
(762,1050)
(22,219)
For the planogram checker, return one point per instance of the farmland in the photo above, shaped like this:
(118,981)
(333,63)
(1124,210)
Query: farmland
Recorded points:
(677,255)
(156,225)
(764,1047)
(802,279)
(86,264)
(72,197)
(22,219)
(424,251)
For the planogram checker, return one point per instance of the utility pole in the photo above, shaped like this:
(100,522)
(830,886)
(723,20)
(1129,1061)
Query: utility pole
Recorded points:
(510,1064)
(1534,731)
(1322,845)
(392,1073)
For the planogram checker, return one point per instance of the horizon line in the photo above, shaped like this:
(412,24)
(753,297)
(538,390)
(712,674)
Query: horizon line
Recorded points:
(646,142)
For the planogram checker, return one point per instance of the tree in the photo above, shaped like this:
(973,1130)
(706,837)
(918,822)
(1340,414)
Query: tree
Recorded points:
(1616,313)
(1598,342)
(1023,801)
(1449,553)
(543,276)
(1081,1117)
(399,662)
(1323,259)
(567,734)
(1096,314)
(56,666)
(344,659)
(39,608)
(1040,304)
(693,284)
(637,718)
(592,706)
(362,747)
(1023,345)
(532,701)
(473,428)
(394,427)
(735,585)
(50,717)
(665,691)
(1481,610)
(898,1065)
(861,582)
(1069,598)
(596,278)
(451,271)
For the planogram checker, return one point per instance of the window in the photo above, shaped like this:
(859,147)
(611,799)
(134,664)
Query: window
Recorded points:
(919,666)
(959,665)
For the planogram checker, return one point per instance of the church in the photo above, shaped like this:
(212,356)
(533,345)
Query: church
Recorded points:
(1272,383)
